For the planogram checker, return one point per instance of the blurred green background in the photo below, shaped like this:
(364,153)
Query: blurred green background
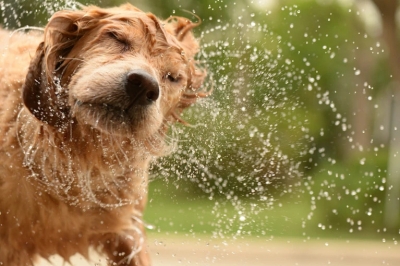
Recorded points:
(299,138)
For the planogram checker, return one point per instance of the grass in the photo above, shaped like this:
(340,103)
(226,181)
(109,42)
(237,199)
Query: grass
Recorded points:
(175,210)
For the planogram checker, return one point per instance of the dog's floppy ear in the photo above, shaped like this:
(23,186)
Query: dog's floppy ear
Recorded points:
(42,91)
(38,95)
(181,28)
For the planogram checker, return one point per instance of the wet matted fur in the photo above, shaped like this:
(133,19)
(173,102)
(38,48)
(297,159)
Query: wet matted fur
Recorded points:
(84,108)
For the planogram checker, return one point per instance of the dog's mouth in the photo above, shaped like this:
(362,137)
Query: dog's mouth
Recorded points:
(125,120)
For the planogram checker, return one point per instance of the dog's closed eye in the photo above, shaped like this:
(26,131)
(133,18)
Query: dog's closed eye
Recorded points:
(174,78)
(120,39)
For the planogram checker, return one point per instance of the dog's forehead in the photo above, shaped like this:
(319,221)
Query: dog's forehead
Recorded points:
(140,24)
(134,18)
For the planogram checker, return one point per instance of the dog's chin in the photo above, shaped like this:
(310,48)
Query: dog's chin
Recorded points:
(139,122)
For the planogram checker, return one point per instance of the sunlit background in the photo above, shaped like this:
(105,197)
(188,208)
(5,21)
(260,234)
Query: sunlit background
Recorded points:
(296,153)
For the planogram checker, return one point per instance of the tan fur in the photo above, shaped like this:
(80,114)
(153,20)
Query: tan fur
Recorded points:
(74,155)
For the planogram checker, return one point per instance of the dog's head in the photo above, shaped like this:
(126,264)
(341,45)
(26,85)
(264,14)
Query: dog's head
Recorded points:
(118,70)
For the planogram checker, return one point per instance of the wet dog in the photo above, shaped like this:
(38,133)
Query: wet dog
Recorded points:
(85,107)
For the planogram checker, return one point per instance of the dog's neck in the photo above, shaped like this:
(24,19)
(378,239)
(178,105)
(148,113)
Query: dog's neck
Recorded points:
(82,165)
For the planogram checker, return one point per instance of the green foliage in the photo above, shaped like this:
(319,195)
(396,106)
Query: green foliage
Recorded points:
(349,195)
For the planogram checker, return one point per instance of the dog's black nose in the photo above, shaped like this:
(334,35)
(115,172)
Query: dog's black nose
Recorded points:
(141,87)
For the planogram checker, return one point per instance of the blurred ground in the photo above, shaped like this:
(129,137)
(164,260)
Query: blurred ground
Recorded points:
(186,250)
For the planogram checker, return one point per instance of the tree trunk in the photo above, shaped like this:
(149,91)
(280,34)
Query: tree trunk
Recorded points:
(387,9)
